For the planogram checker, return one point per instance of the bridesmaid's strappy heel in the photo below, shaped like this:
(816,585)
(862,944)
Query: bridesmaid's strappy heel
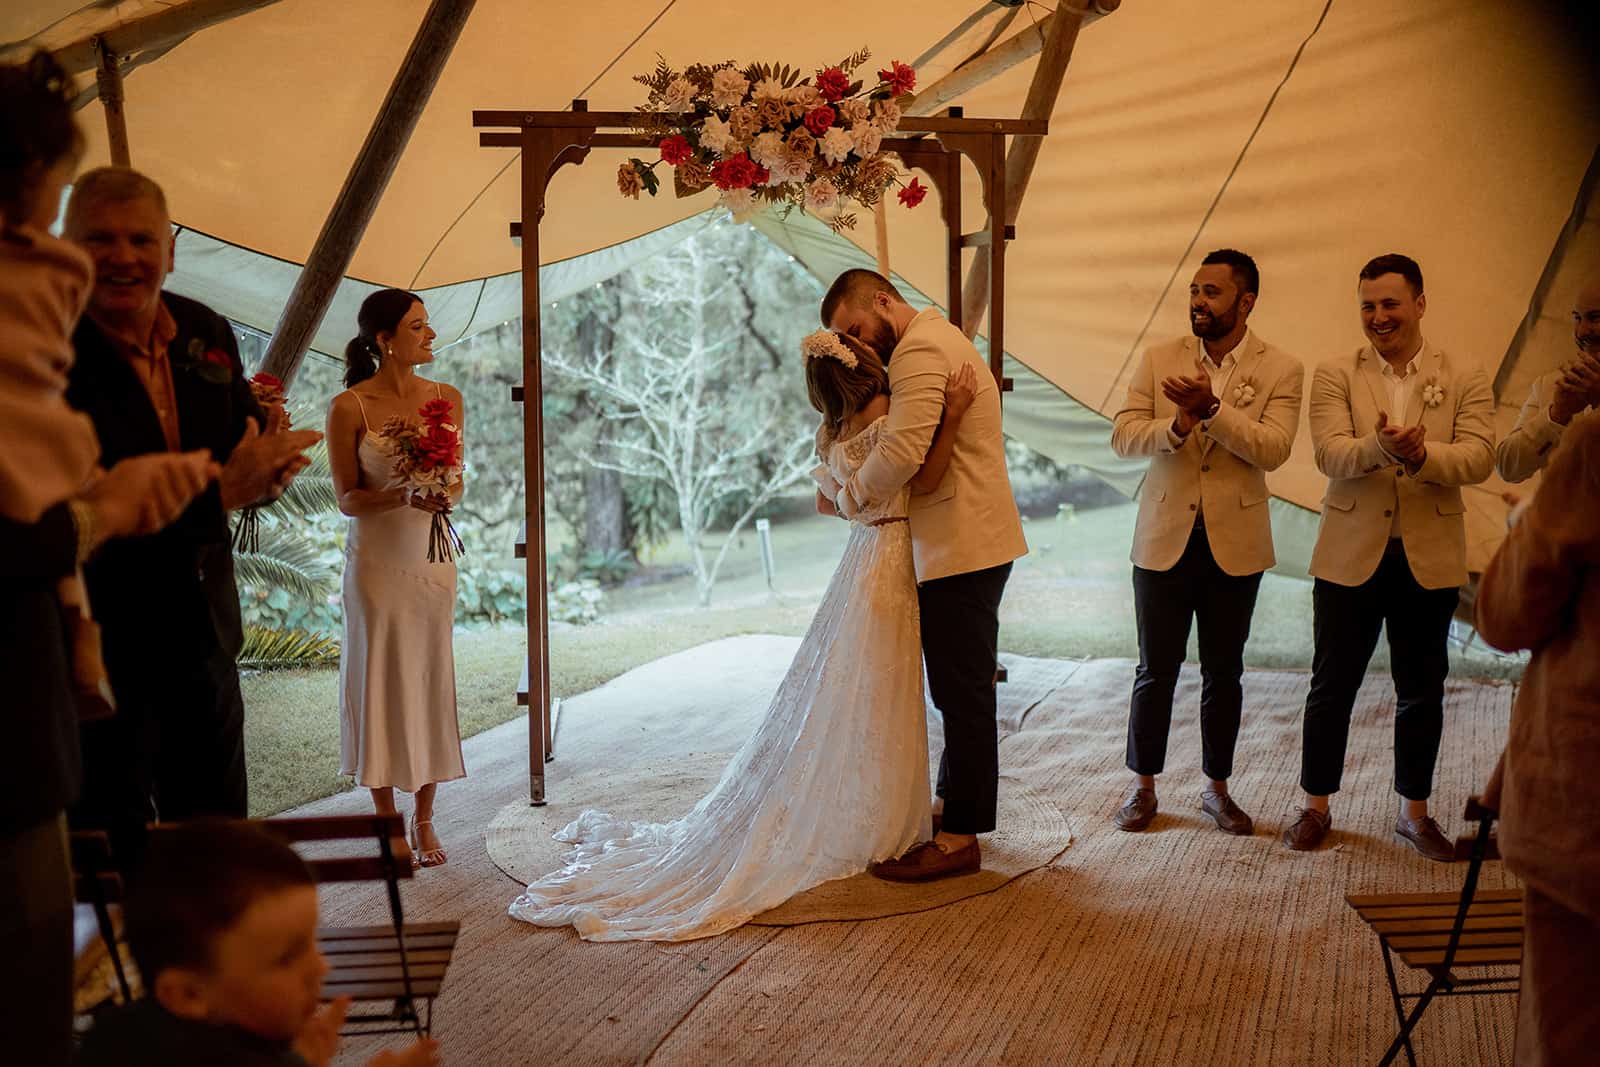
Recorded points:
(433,857)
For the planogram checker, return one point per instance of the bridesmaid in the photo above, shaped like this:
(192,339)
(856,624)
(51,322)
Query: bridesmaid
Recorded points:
(397,688)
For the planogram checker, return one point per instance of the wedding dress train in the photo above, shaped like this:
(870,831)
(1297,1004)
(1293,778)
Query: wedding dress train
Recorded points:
(834,778)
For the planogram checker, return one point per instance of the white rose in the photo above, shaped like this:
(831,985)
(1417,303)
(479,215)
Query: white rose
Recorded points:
(728,87)
(888,115)
(715,134)
(836,144)
(821,194)
(768,149)
(868,139)
(679,95)
(854,112)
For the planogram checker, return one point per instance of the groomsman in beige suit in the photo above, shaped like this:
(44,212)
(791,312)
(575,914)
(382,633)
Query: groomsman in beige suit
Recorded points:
(1399,427)
(1214,412)
(1556,397)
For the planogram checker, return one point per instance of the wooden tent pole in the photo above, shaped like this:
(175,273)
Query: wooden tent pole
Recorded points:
(1022,45)
(108,76)
(880,233)
(162,29)
(1024,151)
(363,187)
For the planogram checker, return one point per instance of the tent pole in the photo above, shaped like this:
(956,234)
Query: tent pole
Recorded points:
(1024,152)
(165,27)
(1022,45)
(108,76)
(363,187)
(880,233)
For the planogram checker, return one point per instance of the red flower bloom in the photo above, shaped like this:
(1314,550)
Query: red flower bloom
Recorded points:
(912,194)
(676,149)
(763,175)
(735,172)
(833,83)
(267,381)
(435,411)
(900,78)
(818,120)
(218,357)
(437,448)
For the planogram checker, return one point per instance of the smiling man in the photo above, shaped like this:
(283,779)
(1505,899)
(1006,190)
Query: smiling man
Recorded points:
(160,373)
(1556,397)
(1399,427)
(1213,412)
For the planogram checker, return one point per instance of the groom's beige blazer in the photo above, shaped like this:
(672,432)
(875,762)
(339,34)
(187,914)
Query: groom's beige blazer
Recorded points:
(1220,468)
(1365,485)
(970,522)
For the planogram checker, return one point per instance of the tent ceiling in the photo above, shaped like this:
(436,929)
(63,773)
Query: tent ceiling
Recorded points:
(1311,133)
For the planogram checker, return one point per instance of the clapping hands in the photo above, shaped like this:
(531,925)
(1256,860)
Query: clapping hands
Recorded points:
(1577,388)
(1193,397)
(1405,443)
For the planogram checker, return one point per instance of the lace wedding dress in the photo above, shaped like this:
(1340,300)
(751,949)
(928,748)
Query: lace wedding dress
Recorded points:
(834,778)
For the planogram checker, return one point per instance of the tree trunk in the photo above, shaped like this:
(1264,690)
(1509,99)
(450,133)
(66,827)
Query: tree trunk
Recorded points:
(605,513)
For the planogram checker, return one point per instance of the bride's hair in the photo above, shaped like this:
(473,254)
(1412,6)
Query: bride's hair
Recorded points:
(37,130)
(839,391)
(380,312)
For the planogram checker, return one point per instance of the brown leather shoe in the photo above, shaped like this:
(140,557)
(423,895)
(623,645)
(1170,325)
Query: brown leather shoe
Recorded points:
(1309,830)
(1230,817)
(1137,811)
(1424,835)
(928,862)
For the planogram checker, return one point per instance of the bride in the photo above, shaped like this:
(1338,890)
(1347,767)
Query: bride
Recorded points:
(835,778)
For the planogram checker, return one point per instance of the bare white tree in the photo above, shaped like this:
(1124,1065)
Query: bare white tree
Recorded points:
(700,404)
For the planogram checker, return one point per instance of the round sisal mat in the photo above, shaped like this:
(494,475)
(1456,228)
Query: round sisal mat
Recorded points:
(1032,833)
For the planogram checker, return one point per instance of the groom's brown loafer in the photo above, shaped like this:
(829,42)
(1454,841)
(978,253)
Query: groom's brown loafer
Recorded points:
(1308,830)
(1425,836)
(928,862)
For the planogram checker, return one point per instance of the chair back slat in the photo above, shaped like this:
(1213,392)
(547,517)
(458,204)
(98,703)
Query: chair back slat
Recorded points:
(357,869)
(336,827)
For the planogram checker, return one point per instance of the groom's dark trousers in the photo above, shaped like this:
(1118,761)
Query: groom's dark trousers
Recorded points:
(960,636)
(167,604)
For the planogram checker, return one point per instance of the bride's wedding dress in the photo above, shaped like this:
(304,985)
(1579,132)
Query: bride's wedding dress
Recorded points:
(834,778)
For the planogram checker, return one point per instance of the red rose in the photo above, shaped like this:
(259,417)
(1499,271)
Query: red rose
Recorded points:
(436,448)
(219,357)
(267,381)
(763,175)
(437,410)
(912,194)
(735,172)
(833,83)
(676,149)
(899,78)
(819,120)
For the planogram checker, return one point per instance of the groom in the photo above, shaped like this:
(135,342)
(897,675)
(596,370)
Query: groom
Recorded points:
(964,537)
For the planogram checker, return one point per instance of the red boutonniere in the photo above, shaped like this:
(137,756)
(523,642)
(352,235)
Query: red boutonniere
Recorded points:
(208,363)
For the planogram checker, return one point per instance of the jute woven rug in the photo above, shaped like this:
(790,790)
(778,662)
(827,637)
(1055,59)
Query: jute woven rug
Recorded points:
(1176,946)
(1032,833)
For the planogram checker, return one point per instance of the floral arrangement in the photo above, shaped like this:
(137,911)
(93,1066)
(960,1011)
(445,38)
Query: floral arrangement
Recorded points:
(1243,393)
(765,135)
(273,400)
(825,344)
(1432,393)
(427,461)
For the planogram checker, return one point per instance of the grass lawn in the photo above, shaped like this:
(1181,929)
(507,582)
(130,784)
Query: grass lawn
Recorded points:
(1071,597)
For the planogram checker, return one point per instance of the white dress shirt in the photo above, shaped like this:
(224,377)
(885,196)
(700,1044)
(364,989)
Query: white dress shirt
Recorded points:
(1401,389)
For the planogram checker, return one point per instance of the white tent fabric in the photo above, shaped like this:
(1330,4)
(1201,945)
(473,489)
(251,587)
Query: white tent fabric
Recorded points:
(1312,133)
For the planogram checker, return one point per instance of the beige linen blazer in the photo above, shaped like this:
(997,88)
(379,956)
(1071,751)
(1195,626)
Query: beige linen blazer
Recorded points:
(1221,467)
(1526,449)
(1365,485)
(1542,592)
(970,522)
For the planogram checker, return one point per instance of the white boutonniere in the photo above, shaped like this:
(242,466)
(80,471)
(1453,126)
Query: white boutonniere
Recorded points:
(1243,393)
(1432,392)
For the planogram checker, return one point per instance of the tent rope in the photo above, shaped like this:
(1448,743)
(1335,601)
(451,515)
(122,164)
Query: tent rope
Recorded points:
(448,230)
(1133,350)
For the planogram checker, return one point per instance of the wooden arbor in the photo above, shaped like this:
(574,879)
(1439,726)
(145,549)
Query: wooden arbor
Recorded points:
(550,139)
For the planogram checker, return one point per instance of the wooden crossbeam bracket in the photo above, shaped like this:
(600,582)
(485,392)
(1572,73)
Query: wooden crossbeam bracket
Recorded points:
(983,238)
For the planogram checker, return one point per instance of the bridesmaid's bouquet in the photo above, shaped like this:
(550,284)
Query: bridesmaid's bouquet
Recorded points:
(427,461)
(269,393)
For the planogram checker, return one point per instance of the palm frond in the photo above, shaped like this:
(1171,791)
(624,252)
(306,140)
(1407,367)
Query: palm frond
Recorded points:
(311,493)
(285,561)
(266,649)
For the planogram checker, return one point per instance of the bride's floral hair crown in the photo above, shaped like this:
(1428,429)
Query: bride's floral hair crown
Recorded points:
(825,344)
